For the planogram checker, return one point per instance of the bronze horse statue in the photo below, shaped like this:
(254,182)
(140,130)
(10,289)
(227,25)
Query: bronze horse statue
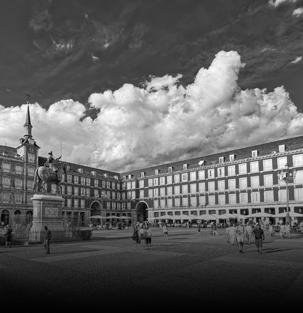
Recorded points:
(44,174)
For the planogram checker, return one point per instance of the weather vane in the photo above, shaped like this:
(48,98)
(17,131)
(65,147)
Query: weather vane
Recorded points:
(28,97)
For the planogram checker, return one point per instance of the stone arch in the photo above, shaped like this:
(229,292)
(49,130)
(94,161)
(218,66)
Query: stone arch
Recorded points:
(141,211)
(28,217)
(96,208)
(17,217)
(5,217)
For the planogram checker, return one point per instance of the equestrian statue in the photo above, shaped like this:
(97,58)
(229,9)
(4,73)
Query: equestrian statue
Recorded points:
(51,172)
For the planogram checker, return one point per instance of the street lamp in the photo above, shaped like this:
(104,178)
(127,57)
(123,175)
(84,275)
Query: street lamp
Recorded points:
(287,175)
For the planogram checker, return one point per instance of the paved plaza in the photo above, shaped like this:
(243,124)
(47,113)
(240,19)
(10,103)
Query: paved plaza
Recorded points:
(183,272)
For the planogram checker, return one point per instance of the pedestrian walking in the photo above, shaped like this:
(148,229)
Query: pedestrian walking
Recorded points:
(141,234)
(148,236)
(214,227)
(232,234)
(287,230)
(8,236)
(259,237)
(272,233)
(240,231)
(165,231)
(46,243)
(282,231)
(227,230)
(199,228)
(135,236)
(248,232)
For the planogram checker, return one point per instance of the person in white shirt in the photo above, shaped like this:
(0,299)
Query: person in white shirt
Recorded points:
(227,229)
(240,230)
(232,234)
(271,230)
(165,231)
(282,231)
(249,232)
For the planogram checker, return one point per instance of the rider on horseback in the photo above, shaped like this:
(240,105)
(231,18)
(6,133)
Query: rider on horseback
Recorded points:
(53,163)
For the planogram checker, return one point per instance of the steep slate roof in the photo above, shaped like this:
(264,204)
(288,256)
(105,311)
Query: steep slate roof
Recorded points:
(86,169)
(8,150)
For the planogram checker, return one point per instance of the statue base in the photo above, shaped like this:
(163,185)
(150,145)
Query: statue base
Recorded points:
(47,211)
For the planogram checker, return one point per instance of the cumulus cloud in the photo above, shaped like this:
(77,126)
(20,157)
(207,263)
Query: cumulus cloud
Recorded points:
(161,122)
(298,12)
(296,60)
(276,3)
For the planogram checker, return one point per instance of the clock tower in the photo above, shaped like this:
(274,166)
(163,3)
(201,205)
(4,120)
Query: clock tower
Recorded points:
(28,149)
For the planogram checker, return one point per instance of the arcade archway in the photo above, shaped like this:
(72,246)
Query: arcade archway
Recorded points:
(96,208)
(142,211)
(5,217)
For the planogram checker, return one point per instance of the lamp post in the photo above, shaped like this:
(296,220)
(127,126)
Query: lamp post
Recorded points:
(287,175)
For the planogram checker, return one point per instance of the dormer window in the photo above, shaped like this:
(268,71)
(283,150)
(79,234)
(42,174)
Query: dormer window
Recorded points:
(231,157)
(142,174)
(157,172)
(170,170)
(80,170)
(202,162)
(185,167)
(221,159)
(281,148)
(130,176)
(254,153)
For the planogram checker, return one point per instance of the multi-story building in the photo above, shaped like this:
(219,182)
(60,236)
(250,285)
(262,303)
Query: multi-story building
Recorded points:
(17,167)
(90,191)
(87,191)
(242,181)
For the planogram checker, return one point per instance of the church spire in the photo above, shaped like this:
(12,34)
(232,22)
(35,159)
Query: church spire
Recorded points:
(28,126)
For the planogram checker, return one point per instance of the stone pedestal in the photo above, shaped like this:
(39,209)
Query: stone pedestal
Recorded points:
(47,212)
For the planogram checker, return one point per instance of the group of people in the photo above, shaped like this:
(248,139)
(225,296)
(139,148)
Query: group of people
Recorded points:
(236,234)
(142,233)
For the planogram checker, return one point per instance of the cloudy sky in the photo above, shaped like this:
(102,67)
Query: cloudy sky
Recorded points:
(129,84)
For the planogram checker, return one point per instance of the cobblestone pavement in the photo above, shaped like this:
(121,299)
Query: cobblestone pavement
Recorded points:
(185,271)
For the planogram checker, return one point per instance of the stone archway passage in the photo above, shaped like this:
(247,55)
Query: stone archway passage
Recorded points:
(28,217)
(17,218)
(95,208)
(141,212)
(5,217)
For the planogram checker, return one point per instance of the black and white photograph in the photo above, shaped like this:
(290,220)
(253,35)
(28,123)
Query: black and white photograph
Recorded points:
(151,155)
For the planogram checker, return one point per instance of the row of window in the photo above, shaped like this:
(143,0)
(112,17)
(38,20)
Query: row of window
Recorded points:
(7,183)
(231,158)
(232,170)
(73,179)
(220,185)
(88,192)
(242,198)
(6,197)
(6,168)
(77,203)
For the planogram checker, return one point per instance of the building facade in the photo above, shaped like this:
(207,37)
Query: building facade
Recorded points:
(242,181)
(87,191)
(90,191)
(17,168)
